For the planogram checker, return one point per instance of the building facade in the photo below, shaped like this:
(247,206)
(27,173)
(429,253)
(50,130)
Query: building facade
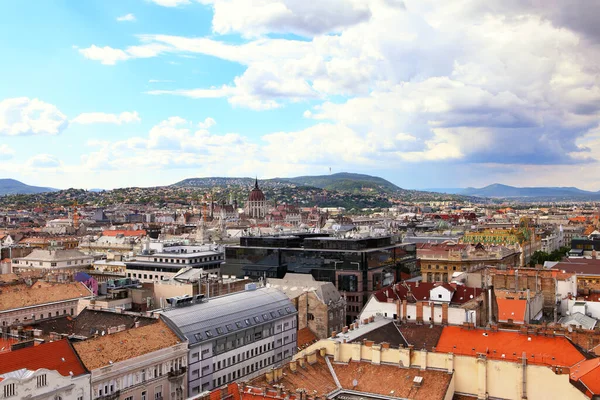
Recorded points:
(256,205)
(356,266)
(52,260)
(162,264)
(47,371)
(148,362)
(441,260)
(235,337)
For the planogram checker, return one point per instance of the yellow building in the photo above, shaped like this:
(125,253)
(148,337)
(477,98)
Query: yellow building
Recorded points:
(524,237)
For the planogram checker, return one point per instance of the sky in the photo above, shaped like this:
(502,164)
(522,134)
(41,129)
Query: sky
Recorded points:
(427,94)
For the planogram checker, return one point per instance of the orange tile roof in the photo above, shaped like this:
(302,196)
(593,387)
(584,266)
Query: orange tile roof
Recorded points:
(56,356)
(100,351)
(511,309)
(542,350)
(306,337)
(20,295)
(6,343)
(588,373)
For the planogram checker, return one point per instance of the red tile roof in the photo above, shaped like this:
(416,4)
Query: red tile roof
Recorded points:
(588,373)
(306,337)
(511,309)
(56,356)
(543,350)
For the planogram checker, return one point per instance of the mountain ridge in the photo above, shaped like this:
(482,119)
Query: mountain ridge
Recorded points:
(13,186)
(498,190)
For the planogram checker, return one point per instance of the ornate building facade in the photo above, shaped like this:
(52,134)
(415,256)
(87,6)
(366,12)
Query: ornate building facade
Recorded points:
(256,206)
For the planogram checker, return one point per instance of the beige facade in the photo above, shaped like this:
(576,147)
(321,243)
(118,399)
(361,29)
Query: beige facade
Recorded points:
(148,362)
(473,375)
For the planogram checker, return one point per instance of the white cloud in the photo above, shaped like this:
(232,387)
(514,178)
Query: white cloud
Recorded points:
(301,17)
(105,118)
(6,152)
(453,82)
(126,18)
(44,161)
(25,116)
(170,3)
(208,122)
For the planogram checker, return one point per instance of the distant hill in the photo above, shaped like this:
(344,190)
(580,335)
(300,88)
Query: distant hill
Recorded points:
(498,190)
(345,182)
(12,186)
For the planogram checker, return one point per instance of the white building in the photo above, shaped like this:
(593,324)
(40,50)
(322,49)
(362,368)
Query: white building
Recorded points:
(423,302)
(49,260)
(235,337)
(47,371)
(159,261)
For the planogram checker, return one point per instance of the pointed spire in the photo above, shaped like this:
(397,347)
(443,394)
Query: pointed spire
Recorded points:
(256,183)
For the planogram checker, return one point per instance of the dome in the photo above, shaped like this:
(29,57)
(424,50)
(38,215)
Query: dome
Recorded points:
(256,194)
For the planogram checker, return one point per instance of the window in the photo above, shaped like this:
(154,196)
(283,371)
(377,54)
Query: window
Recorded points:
(310,317)
(208,333)
(273,315)
(257,320)
(158,392)
(10,390)
(247,321)
(439,296)
(129,398)
(229,327)
(42,380)
(238,324)
(144,395)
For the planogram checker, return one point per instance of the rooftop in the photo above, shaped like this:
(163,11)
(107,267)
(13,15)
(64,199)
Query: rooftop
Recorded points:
(588,373)
(54,255)
(419,291)
(56,356)
(21,295)
(421,336)
(229,313)
(388,333)
(509,345)
(105,350)
(91,322)
(384,380)
(513,309)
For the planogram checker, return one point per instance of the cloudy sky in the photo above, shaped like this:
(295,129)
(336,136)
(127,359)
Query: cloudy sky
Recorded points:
(114,93)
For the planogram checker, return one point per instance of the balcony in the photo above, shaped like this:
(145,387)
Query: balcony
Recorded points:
(111,396)
(177,373)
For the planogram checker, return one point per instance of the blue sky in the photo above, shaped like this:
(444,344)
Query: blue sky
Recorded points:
(148,92)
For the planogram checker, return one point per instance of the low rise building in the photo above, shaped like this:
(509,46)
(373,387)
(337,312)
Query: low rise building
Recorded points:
(234,337)
(23,303)
(441,260)
(148,362)
(433,303)
(156,264)
(52,260)
(48,371)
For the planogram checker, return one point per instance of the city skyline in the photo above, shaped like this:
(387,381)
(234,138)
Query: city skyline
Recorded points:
(107,94)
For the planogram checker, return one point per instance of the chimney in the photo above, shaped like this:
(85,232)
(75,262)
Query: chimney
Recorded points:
(269,376)
(293,366)
(333,334)
(312,357)
(302,362)
(417,284)
(323,351)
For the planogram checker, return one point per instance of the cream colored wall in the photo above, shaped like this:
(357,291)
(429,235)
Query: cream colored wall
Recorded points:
(496,378)
(165,291)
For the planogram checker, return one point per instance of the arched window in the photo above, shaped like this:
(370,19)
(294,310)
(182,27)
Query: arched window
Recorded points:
(310,317)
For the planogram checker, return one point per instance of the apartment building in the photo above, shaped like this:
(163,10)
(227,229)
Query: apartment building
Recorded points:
(235,337)
(52,260)
(144,363)
(24,303)
(163,262)
(47,371)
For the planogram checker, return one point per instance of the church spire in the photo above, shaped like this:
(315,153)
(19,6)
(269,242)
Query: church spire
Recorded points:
(256,183)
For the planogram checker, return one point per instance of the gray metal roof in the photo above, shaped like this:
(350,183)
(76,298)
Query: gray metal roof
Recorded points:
(578,319)
(224,315)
